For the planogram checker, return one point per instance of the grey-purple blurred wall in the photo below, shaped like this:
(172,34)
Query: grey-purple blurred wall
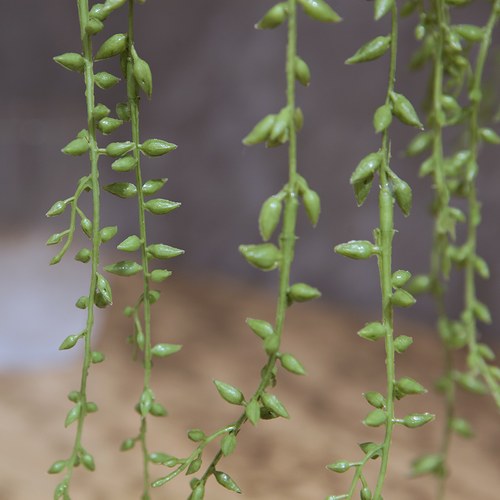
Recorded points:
(214,78)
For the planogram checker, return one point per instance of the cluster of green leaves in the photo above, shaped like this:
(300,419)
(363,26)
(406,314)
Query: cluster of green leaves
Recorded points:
(454,101)
(273,130)
(393,190)
(126,156)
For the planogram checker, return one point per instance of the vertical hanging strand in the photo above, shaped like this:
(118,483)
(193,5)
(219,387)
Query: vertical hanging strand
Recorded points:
(393,190)
(85,142)
(138,77)
(274,130)
(479,354)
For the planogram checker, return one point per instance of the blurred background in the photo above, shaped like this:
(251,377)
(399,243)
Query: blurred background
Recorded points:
(214,77)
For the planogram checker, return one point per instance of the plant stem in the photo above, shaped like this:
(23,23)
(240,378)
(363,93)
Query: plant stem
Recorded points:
(473,219)
(133,102)
(93,153)
(386,206)
(287,237)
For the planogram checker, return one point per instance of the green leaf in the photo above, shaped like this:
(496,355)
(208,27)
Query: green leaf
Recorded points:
(362,189)
(57,467)
(83,255)
(73,414)
(402,194)
(102,296)
(312,204)
(108,232)
(160,206)
(269,217)
(339,467)
(402,298)
(124,164)
(356,249)
(162,350)
(56,209)
(229,393)
(161,251)
(406,386)
(69,342)
(273,17)
(403,110)
(121,189)
(417,419)
(146,402)
(320,11)
(462,427)
(252,411)
(271,402)
(302,71)
(228,444)
(113,46)
(115,149)
(142,74)
(261,131)
(382,7)
(71,61)
(373,331)
(371,50)
(124,268)
(375,399)
(159,275)
(130,244)
(375,418)
(261,328)
(152,186)
(292,364)
(382,118)
(107,125)
(301,292)
(265,256)
(427,464)
(76,147)
(225,480)
(88,461)
(105,80)
(366,167)
(157,147)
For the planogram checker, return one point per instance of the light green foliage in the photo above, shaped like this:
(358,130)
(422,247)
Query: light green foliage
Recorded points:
(278,210)
(393,191)
(137,77)
(446,47)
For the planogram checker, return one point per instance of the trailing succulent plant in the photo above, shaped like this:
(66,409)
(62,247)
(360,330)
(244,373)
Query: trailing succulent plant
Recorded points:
(274,130)
(392,190)
(454,102)
(126,157)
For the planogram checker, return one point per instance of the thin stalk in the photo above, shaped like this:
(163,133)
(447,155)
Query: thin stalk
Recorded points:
(386,206)
(288,235)
(133,102)
(474,207)
(440,239)
(93,153)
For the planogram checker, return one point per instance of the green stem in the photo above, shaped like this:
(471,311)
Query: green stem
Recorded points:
(287,237)
(93,153)
(133,102)
(474,206)
(386,205)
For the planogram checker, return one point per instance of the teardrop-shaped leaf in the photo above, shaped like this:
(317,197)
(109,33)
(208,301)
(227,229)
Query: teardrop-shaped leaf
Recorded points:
(162,350)
(271,402)
(113,46)
(124,268)
(160,206)
(371,50)
(152,186)
(229,393)
(121,189)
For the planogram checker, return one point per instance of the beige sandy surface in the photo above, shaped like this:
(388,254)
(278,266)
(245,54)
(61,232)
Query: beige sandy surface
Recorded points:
(279,459)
